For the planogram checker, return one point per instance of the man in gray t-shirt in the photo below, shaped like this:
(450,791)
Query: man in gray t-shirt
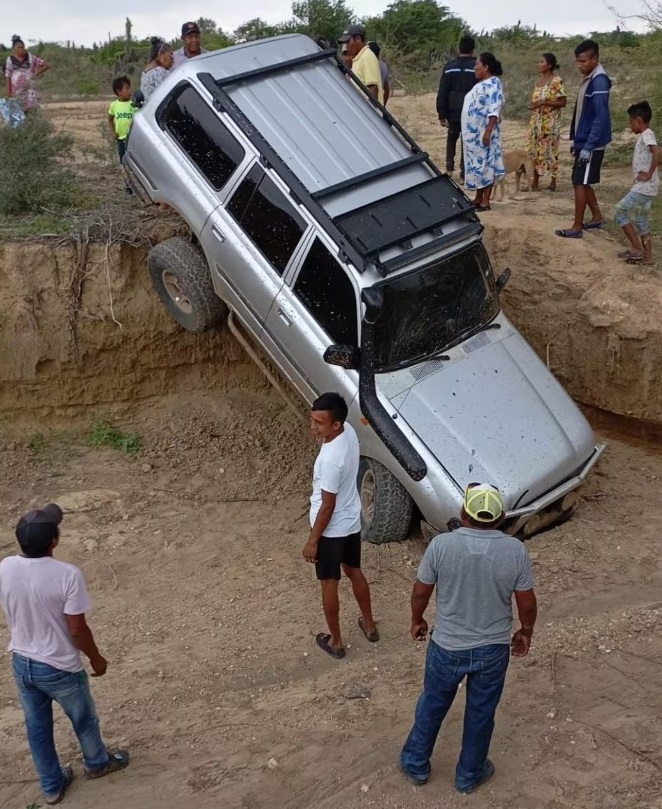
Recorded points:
(476,571)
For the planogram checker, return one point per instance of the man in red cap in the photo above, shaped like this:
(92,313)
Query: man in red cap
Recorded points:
(192,46)
(45,602)
(476,570)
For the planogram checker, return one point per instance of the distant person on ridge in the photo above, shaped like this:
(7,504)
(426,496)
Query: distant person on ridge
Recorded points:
(457,79)
(161,59)
(375,48)
(590,133)
(192,44)
(21,71)
(632,213)
(365,64)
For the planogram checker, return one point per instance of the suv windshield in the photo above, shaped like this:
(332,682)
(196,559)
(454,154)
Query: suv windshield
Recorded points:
(427,311)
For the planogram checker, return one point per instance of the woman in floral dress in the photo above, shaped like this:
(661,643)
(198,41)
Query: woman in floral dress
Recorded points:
(547,105)
(21,71)
(481,131)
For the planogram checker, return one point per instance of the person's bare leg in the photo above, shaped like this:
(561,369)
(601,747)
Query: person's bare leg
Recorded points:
(580,207)
(361,590)
(592,202)
(633,238)
(535,184)
(487,194)
(331,607)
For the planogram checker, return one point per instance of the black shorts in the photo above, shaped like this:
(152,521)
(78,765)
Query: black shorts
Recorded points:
(332,552)
(588,173)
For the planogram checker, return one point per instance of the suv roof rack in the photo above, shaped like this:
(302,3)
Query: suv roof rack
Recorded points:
(361,234)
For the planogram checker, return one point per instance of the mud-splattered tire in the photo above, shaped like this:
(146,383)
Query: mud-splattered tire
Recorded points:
(181,277)
(386,507)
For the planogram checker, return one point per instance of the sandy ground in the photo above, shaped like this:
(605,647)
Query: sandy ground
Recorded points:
(207,614)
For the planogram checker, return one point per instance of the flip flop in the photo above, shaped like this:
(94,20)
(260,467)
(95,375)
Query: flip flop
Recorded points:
(569,234)
(594,225)
(68,774)
(628,254)
(372,636)
(117,760)
(325,646)
(483,208)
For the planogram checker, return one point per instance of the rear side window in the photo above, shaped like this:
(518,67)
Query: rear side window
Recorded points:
(202,135)
(267,216)
(326,291)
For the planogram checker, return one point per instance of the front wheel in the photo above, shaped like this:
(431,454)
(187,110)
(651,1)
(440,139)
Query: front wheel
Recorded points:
(386,506)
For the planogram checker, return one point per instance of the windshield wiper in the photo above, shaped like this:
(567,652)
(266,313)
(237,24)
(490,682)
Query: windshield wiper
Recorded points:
(435,355)
(472,333)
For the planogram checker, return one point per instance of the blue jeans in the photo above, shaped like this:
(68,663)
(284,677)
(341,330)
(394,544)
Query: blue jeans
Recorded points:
(38,685)
(485,669)
(635,209)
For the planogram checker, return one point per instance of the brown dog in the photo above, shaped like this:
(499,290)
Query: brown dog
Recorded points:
(518,162)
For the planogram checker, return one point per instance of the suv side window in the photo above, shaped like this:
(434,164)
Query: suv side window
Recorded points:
(267,217)
(326,291)
(202,135)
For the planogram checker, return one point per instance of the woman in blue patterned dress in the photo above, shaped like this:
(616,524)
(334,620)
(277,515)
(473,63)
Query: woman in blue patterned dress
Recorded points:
(481,131)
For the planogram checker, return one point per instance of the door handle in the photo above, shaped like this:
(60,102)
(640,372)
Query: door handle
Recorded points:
(287,320)
(218,233)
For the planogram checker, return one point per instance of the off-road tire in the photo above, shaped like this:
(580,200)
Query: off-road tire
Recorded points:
(179,270)
(390,518)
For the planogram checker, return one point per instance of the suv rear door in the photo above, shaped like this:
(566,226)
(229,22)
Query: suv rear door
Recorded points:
(251,242)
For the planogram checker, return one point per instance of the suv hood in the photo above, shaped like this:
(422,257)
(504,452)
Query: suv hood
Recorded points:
(495,414)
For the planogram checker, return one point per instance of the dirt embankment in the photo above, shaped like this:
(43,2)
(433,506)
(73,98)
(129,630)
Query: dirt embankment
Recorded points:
(81,328)
(597,324)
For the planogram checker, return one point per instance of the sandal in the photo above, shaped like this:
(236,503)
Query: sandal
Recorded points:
(569,234)
(325,646)
(483,208)
(594,225)
(628,254)
(117,760)
(372,636)
(68,774)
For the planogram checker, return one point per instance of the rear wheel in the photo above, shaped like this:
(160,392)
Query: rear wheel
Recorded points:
(386,507)
(181,277)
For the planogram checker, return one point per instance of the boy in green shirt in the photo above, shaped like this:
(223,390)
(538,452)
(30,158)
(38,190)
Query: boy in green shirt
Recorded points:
(120,114)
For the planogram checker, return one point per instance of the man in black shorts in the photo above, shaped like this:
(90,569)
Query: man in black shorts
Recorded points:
(335,518)
(590,133)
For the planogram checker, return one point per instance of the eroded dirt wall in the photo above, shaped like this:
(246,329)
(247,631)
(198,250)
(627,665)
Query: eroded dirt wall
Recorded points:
(82,327)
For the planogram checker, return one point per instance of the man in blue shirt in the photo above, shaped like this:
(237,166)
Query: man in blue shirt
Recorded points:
(476,570)
(590,133)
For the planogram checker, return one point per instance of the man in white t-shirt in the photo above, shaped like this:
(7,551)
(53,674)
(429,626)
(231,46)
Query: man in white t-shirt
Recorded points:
(45,602)
(335,518)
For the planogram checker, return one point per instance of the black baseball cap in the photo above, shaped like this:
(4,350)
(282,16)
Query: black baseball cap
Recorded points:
(353,31)
(36,530)
(190,28)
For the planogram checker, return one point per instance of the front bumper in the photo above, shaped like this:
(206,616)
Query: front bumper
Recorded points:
(554,504)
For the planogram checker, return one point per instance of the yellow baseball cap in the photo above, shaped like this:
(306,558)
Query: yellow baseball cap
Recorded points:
(483,502)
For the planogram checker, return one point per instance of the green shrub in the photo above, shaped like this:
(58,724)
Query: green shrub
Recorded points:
(32,178)
(104,434)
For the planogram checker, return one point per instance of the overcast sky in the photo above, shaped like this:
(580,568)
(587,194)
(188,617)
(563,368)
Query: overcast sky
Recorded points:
(86,21)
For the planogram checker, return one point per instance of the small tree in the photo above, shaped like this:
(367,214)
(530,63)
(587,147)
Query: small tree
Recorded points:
(255,29)
(327,18)
(31,175)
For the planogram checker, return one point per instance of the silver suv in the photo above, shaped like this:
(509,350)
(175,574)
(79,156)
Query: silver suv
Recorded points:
(319,225)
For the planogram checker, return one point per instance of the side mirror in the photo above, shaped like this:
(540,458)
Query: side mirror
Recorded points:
(373,300)
(503,279)
(348,357)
